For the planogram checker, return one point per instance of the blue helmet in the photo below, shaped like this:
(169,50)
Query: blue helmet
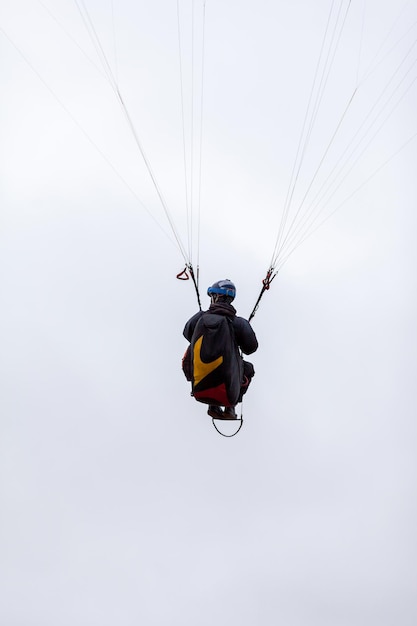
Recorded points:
(223,288)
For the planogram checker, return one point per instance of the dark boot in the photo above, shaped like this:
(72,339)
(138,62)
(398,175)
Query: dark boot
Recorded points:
(215,411)
(229,413)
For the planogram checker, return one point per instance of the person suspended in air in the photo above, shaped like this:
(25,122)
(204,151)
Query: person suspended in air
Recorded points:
(212,362)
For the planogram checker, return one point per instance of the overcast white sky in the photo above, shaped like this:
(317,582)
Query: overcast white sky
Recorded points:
(119,502)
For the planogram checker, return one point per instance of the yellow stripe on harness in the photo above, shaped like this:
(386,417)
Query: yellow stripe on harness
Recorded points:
(201,369)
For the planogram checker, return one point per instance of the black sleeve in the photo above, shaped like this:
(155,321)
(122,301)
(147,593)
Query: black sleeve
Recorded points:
(245,335)
(190,325)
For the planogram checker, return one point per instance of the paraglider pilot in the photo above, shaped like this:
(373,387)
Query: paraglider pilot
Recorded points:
(213,363)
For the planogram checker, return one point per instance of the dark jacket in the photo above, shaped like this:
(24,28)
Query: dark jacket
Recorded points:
(244,334)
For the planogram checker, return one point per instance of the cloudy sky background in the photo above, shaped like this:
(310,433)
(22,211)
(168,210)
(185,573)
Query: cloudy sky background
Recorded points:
(119,501)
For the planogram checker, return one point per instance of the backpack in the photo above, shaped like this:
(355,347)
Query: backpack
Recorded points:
(216,371)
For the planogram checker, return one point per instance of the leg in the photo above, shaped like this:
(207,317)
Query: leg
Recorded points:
(248,374)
